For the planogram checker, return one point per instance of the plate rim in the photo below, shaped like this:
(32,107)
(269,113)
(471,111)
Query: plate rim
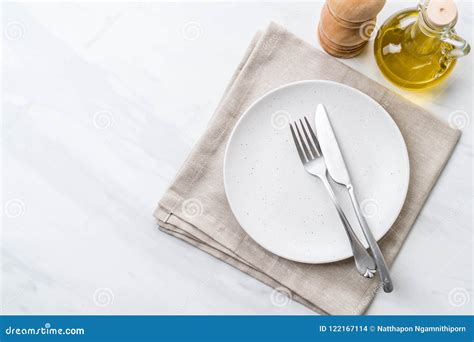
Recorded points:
(287,85)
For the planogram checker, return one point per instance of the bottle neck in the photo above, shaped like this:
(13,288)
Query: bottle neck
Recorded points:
(422,38)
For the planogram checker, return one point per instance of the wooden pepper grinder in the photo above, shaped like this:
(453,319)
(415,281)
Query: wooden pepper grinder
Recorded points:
(346,25)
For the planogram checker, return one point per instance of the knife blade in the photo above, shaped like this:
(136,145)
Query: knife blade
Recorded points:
(330,148)
(338,171)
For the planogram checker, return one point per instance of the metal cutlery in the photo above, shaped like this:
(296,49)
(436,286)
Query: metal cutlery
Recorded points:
(339,173)
(313,161)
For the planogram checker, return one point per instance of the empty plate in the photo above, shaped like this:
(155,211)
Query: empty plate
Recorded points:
(288,211)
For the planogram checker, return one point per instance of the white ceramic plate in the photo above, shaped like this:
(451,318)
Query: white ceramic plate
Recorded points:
(288,211)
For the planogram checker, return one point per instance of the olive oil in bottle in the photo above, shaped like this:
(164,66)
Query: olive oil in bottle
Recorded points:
(418,48)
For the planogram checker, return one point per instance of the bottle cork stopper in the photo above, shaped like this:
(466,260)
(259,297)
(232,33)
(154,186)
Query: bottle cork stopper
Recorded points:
(355,11)
(442,13)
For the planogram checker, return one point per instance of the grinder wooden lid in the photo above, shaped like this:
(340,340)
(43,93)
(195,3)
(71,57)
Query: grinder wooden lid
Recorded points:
(355,11)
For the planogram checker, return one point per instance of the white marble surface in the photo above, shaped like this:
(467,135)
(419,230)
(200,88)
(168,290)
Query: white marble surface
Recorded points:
(101,105)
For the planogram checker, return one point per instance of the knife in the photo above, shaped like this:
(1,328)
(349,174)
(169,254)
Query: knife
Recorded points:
(338,171)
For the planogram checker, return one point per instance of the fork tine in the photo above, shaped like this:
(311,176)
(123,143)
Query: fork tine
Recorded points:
(308,139)
(315,139)
(297,144)
(303,143)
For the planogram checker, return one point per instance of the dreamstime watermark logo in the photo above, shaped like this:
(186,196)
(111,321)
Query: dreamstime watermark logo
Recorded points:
(269,44)
(47,329)
(103,119)
(458,297)
(192,207)
(103,297)
(192,30)
(280,119)
(280,297)
(366,30)
(370,207)
(459,119)
(14,208)
(14,30)
(368,299)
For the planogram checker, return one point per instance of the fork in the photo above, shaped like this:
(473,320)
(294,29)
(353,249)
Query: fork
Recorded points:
(313,162)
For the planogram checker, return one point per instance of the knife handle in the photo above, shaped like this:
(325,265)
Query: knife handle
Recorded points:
(365,264)
(379,259)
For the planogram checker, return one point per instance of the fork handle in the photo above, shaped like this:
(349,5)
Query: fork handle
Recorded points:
(378,256)
(364,262)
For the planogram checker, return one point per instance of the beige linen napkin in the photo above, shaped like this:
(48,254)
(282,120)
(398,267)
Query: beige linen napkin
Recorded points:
(195,207)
